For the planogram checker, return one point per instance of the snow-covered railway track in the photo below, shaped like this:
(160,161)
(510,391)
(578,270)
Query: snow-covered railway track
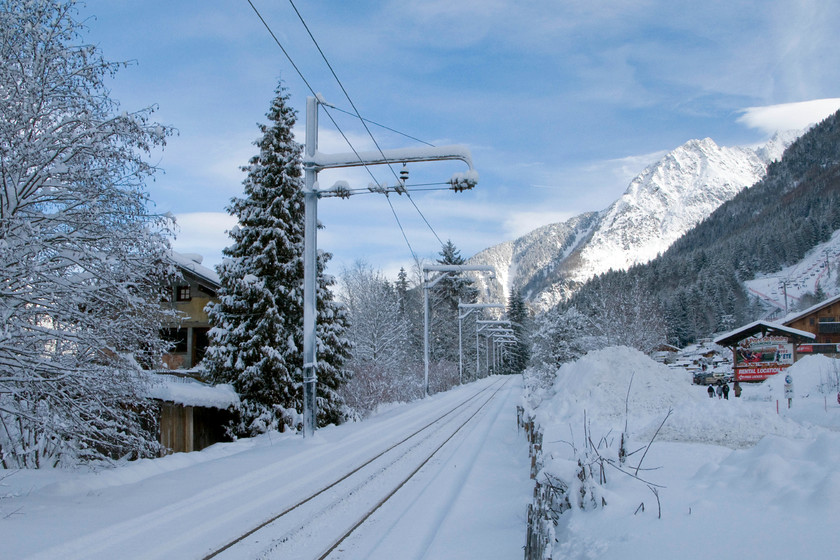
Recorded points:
(317,525)
(192,511)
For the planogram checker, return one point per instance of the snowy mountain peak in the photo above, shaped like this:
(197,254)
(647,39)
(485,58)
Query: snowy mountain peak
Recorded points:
(664,201)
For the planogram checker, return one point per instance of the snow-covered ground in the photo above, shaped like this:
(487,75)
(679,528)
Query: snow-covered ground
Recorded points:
(468,501)
(738,479)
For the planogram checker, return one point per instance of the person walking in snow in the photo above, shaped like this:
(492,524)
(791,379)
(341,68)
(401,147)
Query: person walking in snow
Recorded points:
(711,390)
(737,389)
(719,389)
(725,388)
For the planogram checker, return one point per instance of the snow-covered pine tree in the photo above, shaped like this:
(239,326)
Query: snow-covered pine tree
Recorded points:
(257,340)
(333,348)
(444,299)
(519,353)
(83,260)
(411,310)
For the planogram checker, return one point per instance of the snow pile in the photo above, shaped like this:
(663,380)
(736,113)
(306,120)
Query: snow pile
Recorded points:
(813,378)
(766,471)
(600,380)
(598,383)
(733,478)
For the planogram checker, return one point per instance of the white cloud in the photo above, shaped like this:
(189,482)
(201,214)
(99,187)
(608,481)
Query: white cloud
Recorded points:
(203,233)
(788,116)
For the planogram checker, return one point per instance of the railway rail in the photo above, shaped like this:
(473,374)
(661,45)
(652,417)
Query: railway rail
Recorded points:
(339,509)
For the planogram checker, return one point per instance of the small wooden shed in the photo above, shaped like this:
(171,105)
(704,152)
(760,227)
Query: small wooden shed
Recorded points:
(193,414)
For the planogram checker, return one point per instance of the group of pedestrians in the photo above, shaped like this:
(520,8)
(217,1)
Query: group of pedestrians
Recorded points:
(721,389)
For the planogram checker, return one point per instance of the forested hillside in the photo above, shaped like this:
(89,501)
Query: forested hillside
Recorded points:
(697,285)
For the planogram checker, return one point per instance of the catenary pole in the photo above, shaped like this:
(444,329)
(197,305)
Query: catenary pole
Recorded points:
(470,307)
(310,272)
(313,162)
(445,270)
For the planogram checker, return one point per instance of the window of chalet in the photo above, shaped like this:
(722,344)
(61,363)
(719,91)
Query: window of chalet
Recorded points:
(826,319)
(201,340)
(182,293)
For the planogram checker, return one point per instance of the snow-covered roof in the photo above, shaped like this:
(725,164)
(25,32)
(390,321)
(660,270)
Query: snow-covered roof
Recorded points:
(191,392)
(760,326)
(791,317)
(192,264)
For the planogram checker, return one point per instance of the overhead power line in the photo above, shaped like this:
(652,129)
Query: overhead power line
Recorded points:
(308,85)
(374,123)
(359,116)
(356,114)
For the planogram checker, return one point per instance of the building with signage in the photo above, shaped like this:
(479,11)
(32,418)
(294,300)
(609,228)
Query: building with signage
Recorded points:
(762,349)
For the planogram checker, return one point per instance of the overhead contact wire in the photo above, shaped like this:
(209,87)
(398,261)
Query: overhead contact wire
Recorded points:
(362,120)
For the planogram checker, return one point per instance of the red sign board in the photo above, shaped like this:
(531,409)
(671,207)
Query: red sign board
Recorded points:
(757,373)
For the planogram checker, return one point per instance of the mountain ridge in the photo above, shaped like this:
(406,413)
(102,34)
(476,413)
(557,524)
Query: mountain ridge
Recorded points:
(664,201)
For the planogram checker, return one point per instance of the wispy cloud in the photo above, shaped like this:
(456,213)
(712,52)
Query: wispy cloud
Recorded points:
(788,116)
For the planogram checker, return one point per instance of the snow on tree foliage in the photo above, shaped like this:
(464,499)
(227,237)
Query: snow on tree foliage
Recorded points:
(83,260)
(382,368)
(443,303)
(611,310)
(257,340)
(560,337)
(519,353)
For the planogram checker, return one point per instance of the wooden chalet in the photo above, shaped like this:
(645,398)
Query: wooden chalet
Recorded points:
(823,321)
(762,349)
(193,413)
(195,287)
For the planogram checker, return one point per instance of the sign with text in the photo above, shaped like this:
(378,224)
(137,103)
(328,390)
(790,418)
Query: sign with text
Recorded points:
(818,348)
(769,351)
(756,359)
(757,373)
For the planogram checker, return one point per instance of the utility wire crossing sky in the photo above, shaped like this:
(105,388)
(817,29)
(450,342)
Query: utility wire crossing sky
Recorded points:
(561,104)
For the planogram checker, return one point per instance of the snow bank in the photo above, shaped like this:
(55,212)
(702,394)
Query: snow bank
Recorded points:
(600,380)
(87,479)
(813,377)
(768,469)
(736,477)
(598,383)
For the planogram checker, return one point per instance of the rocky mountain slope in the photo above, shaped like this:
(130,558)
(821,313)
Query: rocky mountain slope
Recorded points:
(663,202)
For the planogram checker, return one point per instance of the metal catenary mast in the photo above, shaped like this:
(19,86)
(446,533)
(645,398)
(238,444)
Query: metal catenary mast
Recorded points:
(313,162)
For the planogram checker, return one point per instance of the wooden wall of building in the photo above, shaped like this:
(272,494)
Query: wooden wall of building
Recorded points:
(191,428)
(825,323)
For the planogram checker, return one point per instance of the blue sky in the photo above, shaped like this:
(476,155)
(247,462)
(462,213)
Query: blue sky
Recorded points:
(560,102)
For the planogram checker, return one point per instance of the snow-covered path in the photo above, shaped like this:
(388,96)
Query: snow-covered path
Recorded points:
(469,500)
